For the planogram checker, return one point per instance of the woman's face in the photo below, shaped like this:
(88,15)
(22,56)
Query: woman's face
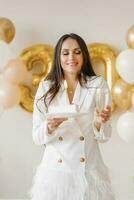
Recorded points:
(71,57)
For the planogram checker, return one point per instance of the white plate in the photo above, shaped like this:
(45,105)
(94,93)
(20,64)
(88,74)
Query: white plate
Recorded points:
(68,115)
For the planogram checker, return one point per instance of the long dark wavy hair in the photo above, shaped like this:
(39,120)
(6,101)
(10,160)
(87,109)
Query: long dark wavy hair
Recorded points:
(56,74)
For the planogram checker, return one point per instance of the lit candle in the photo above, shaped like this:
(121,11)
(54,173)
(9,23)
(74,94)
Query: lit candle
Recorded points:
(65,87)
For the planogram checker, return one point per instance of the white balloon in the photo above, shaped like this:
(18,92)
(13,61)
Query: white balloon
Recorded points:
(125,65)
(125,127)
(5,54)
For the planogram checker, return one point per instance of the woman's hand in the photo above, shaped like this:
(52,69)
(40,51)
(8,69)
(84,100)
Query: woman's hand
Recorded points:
(53,123)
(102,117)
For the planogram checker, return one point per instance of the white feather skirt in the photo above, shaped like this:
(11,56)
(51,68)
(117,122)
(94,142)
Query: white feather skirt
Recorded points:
(62,185)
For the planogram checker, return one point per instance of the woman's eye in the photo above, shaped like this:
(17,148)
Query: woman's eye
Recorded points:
(78,52)
(65,53)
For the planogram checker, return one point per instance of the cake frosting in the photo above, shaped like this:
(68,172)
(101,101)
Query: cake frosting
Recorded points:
(63,109)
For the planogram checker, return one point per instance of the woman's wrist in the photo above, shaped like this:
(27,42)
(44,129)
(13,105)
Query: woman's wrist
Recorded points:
(50,130)
(97,125)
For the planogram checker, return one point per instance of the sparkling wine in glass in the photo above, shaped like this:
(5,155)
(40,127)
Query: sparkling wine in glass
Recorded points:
(102,98)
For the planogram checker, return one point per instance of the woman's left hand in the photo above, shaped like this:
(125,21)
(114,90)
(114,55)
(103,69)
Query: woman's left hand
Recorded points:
(104,115)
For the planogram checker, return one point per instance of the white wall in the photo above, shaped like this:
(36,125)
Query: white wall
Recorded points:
(43,21)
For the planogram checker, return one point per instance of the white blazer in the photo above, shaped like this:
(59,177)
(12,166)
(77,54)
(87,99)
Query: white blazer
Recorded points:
(74,144)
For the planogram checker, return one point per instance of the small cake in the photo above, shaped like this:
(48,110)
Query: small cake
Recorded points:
(63,109)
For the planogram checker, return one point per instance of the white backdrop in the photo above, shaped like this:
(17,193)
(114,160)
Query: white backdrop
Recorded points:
(43,21)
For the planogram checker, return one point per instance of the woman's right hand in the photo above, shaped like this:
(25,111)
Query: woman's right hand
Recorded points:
(54,123)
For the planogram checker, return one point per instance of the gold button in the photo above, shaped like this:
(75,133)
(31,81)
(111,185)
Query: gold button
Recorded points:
(81,138)
(82,159)
(60,160)
(60,138)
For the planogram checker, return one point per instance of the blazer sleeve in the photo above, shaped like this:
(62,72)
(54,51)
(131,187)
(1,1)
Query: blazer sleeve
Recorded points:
(39,131)
(105,131)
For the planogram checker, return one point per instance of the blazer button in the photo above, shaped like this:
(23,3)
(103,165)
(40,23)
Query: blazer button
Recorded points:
(81,138)
(60,160)
(82,159)
(60,138)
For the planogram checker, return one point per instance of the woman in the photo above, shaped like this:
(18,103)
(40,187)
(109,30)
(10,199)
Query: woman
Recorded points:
(72,167)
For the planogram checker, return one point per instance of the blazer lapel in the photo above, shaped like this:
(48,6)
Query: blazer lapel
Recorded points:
(79,96)
(62,96)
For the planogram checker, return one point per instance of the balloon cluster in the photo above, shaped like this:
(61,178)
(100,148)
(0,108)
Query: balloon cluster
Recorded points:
(12,71)
(123,89)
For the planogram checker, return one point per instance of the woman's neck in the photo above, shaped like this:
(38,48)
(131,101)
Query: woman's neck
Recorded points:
(71,80)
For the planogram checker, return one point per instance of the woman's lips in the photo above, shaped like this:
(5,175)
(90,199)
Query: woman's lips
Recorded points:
(72,64)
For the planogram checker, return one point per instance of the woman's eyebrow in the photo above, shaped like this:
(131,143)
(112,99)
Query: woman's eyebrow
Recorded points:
(78,48)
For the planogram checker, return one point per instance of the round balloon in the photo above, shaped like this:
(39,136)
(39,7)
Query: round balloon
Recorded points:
(125,127)
(5,54)
(9,93)
(15,71)
(130,37)
(7,30)
(125,65)
(122,93)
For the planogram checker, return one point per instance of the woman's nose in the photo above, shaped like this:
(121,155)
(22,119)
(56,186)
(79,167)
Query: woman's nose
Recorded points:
(71,56)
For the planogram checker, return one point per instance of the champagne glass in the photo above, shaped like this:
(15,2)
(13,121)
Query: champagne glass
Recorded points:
(102,98)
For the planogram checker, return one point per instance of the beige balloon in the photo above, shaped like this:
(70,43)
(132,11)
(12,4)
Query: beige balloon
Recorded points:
(9,93)
(122,93)
(130,37)
(7,30)
(15,71)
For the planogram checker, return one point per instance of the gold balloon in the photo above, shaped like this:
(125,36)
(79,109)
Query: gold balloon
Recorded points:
(26,101)
(130,37)
(103,53)
(7,30)
(38,58)
(122,94)
(133,99)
